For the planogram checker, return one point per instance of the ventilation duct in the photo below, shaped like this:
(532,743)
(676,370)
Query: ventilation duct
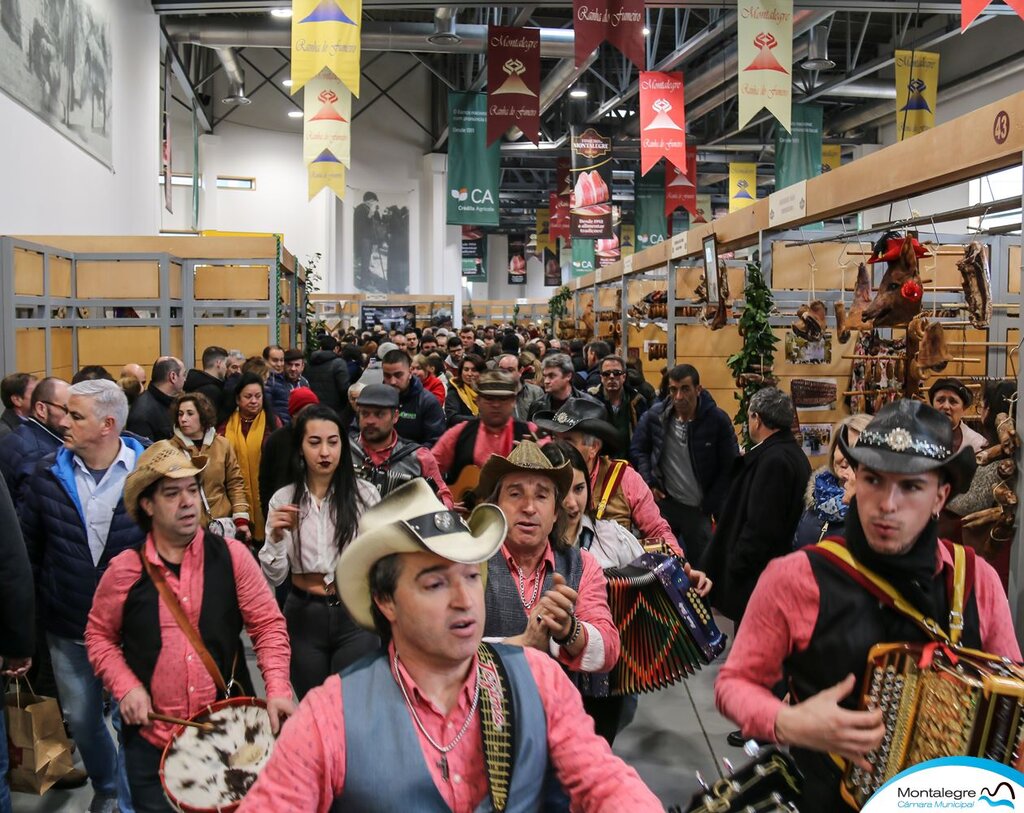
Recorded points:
(817,56)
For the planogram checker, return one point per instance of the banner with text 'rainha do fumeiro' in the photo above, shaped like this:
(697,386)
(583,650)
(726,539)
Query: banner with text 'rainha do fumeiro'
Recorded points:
(765,32)
(620,22)
(326,34)
(326,133)
(513,81)
(662,119)
(474,169)
(559,199)
(591,198)
(681,184)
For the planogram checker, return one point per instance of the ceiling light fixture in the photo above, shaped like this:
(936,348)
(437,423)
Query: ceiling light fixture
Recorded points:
(286,82)
(295,114)
(817,54)
(281,12)
(236,95)
(578,93)
(444,31)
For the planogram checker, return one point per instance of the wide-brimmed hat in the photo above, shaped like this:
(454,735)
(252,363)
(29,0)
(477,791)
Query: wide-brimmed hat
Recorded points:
(497,384)
(526,458)
(953,385)
(910,437)
(580,415)
(409,520)
(162,459)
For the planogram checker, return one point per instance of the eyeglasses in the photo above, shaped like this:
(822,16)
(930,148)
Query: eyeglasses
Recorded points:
(612,374)
(59,407)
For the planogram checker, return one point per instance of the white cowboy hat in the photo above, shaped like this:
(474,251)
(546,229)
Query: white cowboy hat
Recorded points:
(409,520)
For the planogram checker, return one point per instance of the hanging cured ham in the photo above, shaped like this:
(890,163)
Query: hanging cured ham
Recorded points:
(976,284)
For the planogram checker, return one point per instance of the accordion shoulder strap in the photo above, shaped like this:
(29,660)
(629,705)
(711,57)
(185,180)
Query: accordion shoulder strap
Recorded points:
(611,482)
(884,591)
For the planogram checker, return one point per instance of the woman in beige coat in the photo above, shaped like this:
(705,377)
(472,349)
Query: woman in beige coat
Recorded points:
(222,484)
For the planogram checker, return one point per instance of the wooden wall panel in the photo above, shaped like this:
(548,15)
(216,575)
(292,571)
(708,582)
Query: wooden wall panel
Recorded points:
(113,347)
(199,248)
(60,276)
(174,283)
(28,272)
(110,279)
(178,347)
(688,277)
(30,352)
(250,339)
(236,282)
(1013,268)
(61,339)
(697,341)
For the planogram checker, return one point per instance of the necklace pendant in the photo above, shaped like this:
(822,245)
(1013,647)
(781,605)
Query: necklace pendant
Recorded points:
(443,765)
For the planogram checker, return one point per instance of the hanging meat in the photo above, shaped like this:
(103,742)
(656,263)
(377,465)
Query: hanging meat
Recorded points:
(861,299)
(899,293)
(928,336)
(977,284)
(842,328)
(810,321)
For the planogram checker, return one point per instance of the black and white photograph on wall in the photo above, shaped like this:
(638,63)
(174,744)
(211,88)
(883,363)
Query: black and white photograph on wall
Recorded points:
(55,60)
(401,318)
(380,241)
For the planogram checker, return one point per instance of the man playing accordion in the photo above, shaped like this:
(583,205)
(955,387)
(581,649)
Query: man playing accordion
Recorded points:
(815,614)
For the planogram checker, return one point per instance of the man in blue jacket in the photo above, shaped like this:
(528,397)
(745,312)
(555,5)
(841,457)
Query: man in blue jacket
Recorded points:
(41,434)
(420,417)
(74,523)
(684,447)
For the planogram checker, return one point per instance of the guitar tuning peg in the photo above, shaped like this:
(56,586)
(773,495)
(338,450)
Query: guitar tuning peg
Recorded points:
(751,748)
(701,782)
(728,765)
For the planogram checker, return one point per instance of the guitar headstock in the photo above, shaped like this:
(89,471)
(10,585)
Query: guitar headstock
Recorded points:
(770,783)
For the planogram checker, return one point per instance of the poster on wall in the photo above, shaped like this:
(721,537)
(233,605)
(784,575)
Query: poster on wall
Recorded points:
(380,241)
(55,60)
(474,169)
(517,259)
(591,199)
(474,254)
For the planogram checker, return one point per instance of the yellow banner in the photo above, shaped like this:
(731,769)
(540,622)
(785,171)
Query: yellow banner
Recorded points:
(627,243)
(917,86)
(742,185)
(765,31)
(544,240)
(327,121)
(329,173)
(831,157)
(325,34)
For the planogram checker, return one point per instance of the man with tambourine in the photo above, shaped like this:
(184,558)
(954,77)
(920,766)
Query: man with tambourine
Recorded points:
(816,614)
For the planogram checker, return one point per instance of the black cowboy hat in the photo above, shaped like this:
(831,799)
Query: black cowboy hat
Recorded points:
(910,437)
(580,415)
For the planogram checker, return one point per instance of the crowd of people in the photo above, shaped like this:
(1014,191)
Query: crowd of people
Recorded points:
(413,527)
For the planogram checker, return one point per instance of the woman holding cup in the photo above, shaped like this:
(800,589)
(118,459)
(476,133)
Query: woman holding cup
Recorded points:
(308,524)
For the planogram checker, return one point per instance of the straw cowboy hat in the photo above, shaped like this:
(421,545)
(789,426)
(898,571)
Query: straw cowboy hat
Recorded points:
(162,459)
(410,520)
(910,437)
(526,458)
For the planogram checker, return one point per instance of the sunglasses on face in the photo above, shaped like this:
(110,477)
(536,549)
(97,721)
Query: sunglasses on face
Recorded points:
(612,374)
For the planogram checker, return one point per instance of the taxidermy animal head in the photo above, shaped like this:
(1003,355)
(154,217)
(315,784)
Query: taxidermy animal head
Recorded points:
(898,299)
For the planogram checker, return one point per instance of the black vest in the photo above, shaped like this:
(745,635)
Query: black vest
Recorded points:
(840,646)
(466,444)
(402,465)
(220,619)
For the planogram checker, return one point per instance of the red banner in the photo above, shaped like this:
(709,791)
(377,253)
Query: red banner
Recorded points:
(559,201)
(969,11)
(662,119)
(681,185)
(513,81)
(621,22)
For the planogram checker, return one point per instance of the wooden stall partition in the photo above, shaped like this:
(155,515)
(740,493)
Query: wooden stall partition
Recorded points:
(118,279)
(31,344)
(1013,269)
(113,347)
(175,281)
(233,282)
(61,358)
(28,272)
(60,276)
(689,276)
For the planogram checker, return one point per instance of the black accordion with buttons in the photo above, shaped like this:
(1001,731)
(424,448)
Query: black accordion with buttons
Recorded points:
(666,629)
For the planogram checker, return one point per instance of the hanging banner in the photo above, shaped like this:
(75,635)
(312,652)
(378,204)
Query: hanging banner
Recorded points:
(662,119)
(165,148)
(559,199)
(681,184)
(474,169)
(798,152)
(831,157)
(628,240)
(513,81)
(917,85)
(970,9)
(680,221)
(474,254)
(742,185)
(649,197)
(621,22)
(326,123)
(766,57)
(609,250)
(582,257)
(552,268)
(703,212)
(591,199)
(517,259)
(326,34)
(543,229)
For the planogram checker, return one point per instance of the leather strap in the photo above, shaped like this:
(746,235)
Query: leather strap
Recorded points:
(497,718)
(611,482)
(178,613)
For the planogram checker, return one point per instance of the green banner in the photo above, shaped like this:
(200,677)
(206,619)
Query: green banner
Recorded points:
(651,225)
(582,257)
(798,153)
(474,256)
(474,169)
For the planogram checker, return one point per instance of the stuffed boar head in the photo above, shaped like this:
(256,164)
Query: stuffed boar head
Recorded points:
(898,299)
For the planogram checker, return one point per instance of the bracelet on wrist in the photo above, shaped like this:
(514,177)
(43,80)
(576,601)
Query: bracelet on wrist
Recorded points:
(574,633)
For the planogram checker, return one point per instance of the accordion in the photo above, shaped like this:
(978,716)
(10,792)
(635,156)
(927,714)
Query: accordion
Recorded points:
(937,702)
(666,629)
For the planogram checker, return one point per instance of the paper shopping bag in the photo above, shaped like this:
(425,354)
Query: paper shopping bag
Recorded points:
(39,748)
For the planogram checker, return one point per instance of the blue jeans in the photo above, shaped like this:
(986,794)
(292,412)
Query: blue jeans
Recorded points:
(5,792)
(81,696)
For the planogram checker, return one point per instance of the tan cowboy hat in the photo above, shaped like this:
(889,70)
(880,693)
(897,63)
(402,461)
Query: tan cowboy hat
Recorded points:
(526,458)
(162,459)
(412,519)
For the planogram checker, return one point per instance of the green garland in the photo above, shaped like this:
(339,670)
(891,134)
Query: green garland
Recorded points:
(558,306)
(758,353)
(313,324)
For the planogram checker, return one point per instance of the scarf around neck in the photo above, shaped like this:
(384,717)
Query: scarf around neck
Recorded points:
(468,396)
(249,449)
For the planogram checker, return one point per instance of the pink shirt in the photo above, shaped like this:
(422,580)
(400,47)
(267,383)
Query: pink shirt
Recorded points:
(780,620)
(181,686)
(428,465)
(602,636)
(307,769)
(487,443)
(642,508)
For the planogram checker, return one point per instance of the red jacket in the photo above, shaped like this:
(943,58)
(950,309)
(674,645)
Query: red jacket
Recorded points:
(433,385)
